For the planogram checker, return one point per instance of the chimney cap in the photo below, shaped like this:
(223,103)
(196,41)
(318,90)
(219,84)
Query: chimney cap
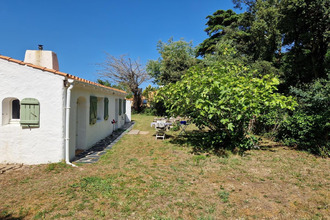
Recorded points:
(41,47)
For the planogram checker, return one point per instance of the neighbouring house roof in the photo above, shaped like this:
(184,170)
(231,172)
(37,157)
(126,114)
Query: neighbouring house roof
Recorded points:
(69,76)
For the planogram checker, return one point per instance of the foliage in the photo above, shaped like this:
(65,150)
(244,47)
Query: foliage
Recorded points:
(104,82)
(159,108)
(176,126)
(147,90)
(291,35)
(154,108)
(309,126)
(223,98)
(265,36)
(126,72)
(306,32)
(254,33)
(147,111)
(226,50)
(116,86)
(176,57)
(221,24)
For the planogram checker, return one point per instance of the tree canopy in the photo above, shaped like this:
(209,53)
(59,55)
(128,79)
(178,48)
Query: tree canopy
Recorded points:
(222,24)
(176,57)
(292,35)
(223,98)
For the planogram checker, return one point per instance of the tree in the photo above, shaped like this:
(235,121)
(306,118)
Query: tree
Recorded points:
(222,24)
(124,71)
(306,30)
(176,57)
(298,27)
(254,33)
(147,90)
(223,98)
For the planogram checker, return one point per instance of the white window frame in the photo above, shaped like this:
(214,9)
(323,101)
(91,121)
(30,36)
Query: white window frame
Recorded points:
(100,109)
(7,111)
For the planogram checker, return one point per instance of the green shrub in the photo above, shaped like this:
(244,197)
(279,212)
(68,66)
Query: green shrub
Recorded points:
(176,126)
(223,98)
(308,127)
(148,111)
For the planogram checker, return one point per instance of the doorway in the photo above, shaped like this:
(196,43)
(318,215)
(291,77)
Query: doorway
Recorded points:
(81,123)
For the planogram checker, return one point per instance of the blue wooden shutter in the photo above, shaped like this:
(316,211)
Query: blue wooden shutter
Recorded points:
(106,108)
(93,110)
(30,113)
(120,106)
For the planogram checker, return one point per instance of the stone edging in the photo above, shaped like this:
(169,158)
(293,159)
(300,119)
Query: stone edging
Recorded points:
(93,154)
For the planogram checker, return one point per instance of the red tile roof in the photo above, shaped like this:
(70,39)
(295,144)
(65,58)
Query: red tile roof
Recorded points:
(69,76)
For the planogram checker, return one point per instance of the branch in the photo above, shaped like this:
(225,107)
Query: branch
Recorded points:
(122,70)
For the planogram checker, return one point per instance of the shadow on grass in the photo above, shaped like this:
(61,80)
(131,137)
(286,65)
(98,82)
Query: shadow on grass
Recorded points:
(199,141)
(10,217)
(167,136)
(266,144)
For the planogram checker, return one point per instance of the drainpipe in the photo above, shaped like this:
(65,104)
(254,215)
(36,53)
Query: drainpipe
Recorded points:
(67,123)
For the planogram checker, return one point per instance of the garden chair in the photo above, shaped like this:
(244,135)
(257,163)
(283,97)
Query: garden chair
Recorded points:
(160,129)
(183,125)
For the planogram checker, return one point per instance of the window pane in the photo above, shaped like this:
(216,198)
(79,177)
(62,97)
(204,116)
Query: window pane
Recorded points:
(15,109)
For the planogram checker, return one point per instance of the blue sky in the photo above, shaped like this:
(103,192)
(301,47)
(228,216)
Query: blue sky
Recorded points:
(81,31)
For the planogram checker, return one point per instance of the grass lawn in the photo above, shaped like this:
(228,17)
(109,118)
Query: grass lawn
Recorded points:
(144,178)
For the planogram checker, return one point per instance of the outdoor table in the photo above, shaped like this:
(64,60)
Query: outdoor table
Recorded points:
(160,130)
(166,124)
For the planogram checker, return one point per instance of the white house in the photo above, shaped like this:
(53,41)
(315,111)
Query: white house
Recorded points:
(46,115)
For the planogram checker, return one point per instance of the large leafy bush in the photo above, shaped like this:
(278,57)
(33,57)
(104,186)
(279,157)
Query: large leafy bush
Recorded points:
(223,98)
(308,127)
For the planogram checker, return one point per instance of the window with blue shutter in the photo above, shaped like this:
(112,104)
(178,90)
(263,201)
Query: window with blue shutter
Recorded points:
(120,106)
(93,110)
(30,113)
(106,108)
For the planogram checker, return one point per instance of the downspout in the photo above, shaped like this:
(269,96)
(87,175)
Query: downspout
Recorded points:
(67,123)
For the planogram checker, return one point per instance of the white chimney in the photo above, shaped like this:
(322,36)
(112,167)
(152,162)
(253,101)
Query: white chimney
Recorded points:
(44,58)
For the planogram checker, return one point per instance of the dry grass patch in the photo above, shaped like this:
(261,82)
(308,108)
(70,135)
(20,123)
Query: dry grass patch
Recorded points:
(143,178)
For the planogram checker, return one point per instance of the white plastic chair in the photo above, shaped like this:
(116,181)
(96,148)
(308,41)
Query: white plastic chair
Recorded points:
(160,129)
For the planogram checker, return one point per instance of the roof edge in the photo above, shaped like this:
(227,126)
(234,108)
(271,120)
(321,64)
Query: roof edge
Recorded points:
(69,76)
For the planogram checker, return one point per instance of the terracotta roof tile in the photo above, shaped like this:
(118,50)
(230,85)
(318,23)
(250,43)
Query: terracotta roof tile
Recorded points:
(58,73)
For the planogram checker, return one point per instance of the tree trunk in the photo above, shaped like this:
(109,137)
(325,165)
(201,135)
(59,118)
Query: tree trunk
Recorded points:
(137,99)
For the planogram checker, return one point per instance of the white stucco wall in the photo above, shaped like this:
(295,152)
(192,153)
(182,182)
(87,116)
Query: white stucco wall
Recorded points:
(128,110)
(79,127)
(36,145)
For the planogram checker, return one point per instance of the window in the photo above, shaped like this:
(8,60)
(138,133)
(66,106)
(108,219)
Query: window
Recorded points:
(93,110)
(30,113)
(10,111)
(106,108)
(124,106)
(15,109)
(120,106)
(100,108)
